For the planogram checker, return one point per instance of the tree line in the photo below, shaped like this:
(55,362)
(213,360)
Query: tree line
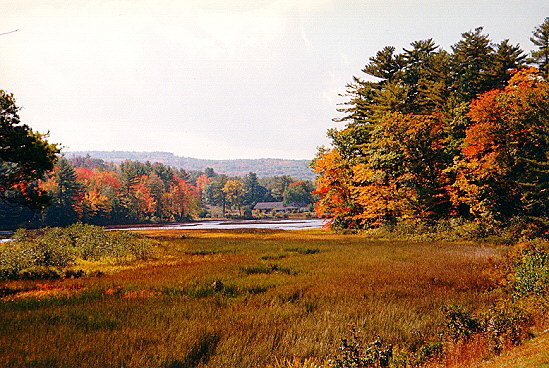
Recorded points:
(88,190)
(433,134)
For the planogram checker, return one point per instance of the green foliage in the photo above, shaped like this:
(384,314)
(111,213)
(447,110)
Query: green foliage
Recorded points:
(355,354)
(64,195)
(506,324)
(33,256)
(25,156)
(540,38)
(531,271)
(460,324)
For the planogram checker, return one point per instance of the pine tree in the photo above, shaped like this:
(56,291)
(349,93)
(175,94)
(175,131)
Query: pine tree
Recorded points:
(471,61)
(253,192)
(507,58)
(541,40)
(65,209)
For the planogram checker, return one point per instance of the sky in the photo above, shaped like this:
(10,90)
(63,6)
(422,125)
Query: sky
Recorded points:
(216,79)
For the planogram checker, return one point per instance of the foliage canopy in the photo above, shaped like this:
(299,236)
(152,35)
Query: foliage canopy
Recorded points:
(433,134)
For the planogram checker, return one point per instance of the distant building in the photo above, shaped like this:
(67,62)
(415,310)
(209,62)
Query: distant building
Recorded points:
(281,207)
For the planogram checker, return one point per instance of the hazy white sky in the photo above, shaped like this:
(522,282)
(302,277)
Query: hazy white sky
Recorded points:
(216,78)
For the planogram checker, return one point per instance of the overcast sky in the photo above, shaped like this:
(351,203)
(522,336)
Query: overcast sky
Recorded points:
(216,78)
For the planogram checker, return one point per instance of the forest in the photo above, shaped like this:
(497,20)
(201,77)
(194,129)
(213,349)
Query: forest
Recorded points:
(431,134)
(92,191)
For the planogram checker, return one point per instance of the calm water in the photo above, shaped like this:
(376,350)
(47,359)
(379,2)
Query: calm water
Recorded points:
(220,225)
(237,224)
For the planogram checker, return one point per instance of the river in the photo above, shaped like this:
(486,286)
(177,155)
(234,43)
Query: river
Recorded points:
(303,224)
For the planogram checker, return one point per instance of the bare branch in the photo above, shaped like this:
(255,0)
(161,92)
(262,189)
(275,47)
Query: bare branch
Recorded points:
(5,33)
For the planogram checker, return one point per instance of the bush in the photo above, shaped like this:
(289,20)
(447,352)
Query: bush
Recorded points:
(531,270)
(33,254)
(354,354)
(460,324)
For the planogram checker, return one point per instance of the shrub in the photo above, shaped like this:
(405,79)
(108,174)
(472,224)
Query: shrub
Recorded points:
(531,271)
(506,324)
(460,324)
(45,254)
(354,354)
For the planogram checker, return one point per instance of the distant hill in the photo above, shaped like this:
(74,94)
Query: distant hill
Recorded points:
(264,167)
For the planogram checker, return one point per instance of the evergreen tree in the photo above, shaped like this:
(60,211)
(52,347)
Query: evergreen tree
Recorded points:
(253,192)
(214,195)
(507,58)
(65,208)
(25,157)
(540,38)
(472,59)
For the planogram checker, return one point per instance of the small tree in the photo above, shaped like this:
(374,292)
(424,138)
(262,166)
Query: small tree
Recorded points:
(233,190)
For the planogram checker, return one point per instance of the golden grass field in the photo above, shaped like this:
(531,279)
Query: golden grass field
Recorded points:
(243,299)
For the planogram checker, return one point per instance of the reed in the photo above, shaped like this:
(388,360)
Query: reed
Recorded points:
(224,299)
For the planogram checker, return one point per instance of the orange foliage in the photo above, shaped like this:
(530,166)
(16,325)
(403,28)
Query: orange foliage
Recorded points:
(376,198)
(96,203)
(107,179)
(202,182)
(333,187)
(508,131)
(84,175)
(180,201)
(146,202)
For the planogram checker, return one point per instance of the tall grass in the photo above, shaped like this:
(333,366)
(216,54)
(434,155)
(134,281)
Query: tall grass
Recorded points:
(224,299)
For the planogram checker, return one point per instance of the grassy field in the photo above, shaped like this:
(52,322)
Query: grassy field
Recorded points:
(249,299)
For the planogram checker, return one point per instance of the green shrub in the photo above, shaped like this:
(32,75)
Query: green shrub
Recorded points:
(15,257)
(460,324)
(353,353)
(506,324)
(531,271)
(40,273)
(32,254)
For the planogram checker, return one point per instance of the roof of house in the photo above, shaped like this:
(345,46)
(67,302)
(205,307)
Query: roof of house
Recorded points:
(267,206)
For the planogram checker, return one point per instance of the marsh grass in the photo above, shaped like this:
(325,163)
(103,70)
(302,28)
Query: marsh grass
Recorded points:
(224,299)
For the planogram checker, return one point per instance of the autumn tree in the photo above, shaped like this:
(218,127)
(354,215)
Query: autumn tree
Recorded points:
(400,154)
(202,183)
(336,202)
(505,168)
(234,194)
(180,202)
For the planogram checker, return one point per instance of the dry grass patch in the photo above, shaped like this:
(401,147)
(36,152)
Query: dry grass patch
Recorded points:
(249,299)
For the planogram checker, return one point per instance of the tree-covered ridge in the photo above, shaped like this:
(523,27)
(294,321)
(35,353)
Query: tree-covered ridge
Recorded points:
(434,134)
(265,168)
